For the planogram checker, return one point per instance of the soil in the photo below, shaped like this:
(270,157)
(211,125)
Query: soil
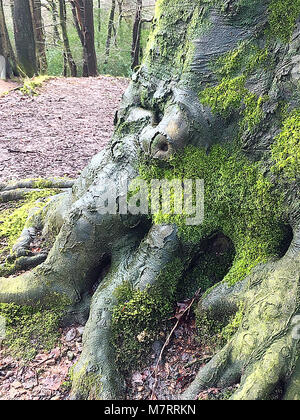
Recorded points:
(57,132)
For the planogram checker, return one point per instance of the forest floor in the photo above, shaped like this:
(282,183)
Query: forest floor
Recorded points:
(58,131)
(55,134)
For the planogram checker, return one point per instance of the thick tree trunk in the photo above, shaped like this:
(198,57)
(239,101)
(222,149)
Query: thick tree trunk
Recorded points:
(215,99)
(68,57)
(39,35)
(6,47)
(24,38)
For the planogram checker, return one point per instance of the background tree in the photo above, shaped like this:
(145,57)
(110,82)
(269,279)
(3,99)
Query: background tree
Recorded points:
(39,35)
(136,37)
(83,16)
(5,45)
(68,57)
(110,30)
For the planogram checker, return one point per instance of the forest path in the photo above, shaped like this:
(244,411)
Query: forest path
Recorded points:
(57,132)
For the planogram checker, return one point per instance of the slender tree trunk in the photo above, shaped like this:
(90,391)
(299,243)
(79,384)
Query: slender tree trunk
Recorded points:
(55,18)
(110,30)
(5,45)
(136,36)
(68,58)
(39,35)
(24,37)
(89,53)
(83,17)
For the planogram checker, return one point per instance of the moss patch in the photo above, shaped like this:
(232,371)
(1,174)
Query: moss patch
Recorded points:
(139,316)
(239,201)
(14,220)
(286,148)
(30,86)
(282,18)
(30,330)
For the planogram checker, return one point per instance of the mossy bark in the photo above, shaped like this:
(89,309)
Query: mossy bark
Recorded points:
(216,78)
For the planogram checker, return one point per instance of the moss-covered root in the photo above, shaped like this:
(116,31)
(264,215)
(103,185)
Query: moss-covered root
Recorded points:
(265,349)
(95,376)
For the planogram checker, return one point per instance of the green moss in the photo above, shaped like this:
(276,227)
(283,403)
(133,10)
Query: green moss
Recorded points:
(230,94)
(209,269)
(30,86)
(239,201)
(233,325)
(13,222)
(286,148)
(87,385)
(139,315)
(30,330)
(282,18)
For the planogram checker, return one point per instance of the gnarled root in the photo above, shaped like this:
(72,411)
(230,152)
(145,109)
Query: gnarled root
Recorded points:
(264,351)
(95,376)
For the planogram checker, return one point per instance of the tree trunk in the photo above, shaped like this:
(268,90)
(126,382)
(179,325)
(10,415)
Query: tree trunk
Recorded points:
(83,18)
(54,13)
(24,38)
(215,99)
(110,30)
(136,36)
(68,57)
(39,35)
(5,46)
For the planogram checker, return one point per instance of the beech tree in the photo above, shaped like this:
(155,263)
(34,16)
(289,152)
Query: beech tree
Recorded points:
(24,38)
(216,98)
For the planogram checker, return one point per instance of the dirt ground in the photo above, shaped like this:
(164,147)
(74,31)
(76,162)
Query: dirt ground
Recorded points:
(57,132)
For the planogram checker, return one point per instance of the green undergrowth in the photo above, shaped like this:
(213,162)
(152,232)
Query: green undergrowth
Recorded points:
(139,316)
(14,220)
(30,330)
(286,148)
(239,200)
(30,86)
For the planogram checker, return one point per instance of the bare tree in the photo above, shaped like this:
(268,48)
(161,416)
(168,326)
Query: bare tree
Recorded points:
(110,29)
(39,35)
(136,35)
(68,57)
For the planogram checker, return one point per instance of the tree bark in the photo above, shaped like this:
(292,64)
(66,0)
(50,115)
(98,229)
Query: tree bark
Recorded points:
(39,35)
(6,47)
(110,30)
(83,17)
(68,57)
(24,38)
(136,36)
